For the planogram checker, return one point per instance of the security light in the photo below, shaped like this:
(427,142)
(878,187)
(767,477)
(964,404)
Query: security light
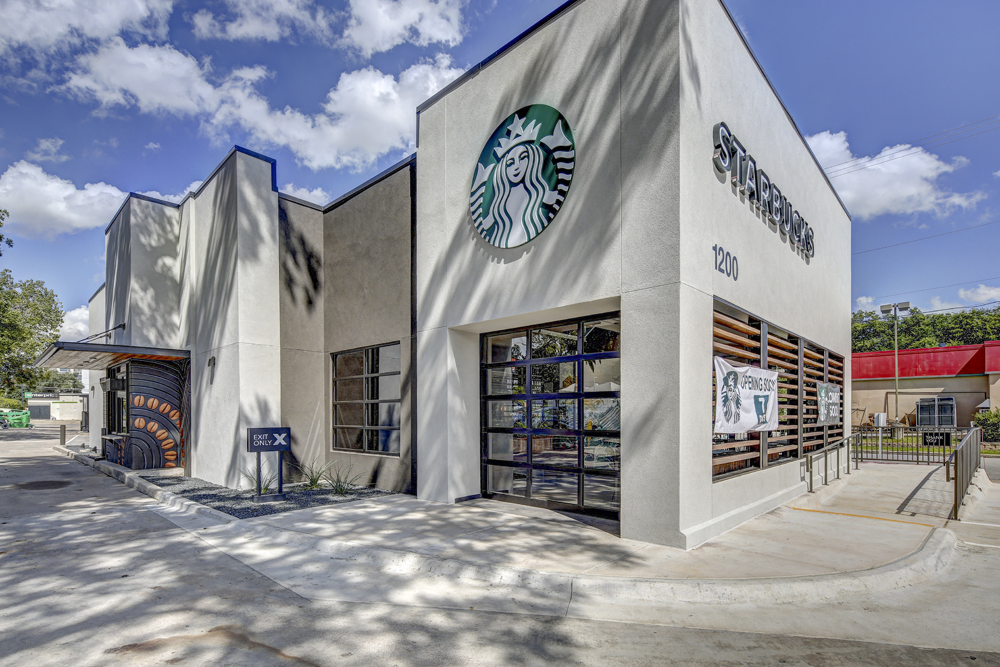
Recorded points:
(886,308)
(904,306)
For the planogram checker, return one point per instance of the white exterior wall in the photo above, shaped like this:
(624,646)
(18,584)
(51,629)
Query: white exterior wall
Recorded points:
(807,297)
(97,325)
(642,84)
(204,277)
(230,268)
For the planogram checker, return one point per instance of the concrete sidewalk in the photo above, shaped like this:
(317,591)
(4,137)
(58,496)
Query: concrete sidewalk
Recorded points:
(512,558)
(93,574)
(871,556)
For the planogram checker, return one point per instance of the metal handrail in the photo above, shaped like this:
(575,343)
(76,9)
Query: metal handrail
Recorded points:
(825,451)
(964,462)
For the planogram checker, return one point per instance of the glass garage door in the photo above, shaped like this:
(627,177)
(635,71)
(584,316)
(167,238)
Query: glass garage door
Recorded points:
(551,414)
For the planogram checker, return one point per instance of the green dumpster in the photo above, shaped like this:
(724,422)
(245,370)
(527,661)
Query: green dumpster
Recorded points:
(17,418)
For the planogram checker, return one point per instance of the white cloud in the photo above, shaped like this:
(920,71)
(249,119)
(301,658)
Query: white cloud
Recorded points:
(152,146)
(43,205)
(997,173)
(316,196)
(379,25)
(864,303)
(157,79)
(57,24)
(176,199)
(937,303)
(76,324)
(980,294)
(899,186)
(268,20)
(367,115)
(47,151)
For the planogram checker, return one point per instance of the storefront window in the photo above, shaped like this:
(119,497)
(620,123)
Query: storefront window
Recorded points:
(551,409)
(366,400)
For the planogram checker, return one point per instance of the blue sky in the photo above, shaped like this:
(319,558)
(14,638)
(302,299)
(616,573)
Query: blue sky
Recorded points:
(100,98)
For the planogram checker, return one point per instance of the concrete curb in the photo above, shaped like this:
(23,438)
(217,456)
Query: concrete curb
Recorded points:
(133,481)
(930,559)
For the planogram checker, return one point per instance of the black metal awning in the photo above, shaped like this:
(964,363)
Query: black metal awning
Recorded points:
(99,357)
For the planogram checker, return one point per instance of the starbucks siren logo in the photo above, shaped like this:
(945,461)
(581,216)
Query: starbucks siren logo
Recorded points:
(731,401)
(523,176)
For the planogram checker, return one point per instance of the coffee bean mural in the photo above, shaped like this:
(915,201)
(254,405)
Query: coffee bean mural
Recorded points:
(156,436)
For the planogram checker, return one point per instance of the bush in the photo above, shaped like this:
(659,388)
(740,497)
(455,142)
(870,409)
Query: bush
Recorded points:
(990,421)
(340,479)
(313,473)
(11,404)
(268,479)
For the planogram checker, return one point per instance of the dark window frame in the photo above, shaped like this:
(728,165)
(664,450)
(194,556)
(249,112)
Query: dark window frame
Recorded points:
(582,470)
(370,406)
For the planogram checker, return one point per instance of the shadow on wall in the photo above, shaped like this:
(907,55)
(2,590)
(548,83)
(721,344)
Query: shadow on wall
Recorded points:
(646,94)
(232,239)
(301,264)
(156,284)
(240,460)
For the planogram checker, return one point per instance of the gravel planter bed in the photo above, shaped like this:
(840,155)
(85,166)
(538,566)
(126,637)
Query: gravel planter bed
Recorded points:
(240,503)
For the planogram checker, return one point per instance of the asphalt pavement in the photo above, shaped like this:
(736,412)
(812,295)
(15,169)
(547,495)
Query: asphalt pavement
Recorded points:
(92,573)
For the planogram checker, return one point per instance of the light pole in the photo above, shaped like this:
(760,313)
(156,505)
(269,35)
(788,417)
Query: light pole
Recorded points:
(895,309)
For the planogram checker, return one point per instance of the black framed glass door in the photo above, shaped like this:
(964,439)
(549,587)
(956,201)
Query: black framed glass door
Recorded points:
(551,414)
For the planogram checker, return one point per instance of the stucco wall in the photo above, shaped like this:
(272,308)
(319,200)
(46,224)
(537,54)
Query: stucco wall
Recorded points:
(154,289)
(302,298)
(611,237)
(118,275)
(642,84)
(807,296)
(233,314)
(97,325)
(367,272)
(880,396)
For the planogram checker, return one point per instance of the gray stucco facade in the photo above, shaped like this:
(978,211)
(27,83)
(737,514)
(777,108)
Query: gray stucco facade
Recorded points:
(266,291)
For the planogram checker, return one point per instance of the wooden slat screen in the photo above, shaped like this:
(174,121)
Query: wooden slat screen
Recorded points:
(738,342)
(799,365)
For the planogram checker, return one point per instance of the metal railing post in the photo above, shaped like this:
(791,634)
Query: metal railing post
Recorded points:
(838,461)
(826,466)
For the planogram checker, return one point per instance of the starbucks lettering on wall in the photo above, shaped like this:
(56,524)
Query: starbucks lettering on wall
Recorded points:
(523,176)
(732,157)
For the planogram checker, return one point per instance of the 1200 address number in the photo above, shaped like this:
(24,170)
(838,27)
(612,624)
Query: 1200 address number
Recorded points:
(726,263)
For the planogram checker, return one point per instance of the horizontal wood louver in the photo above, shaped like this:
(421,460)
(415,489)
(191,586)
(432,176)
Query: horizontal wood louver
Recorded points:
(782,356)
(813,436)
(800,365)
(739,343)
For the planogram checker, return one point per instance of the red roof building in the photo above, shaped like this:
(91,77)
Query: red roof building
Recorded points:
(968,373)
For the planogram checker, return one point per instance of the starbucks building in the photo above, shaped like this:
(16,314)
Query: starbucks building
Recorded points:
(599,220)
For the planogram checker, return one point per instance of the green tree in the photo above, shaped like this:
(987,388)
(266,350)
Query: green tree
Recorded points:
(871,331)
(4,239)
(49,379)
(30,317)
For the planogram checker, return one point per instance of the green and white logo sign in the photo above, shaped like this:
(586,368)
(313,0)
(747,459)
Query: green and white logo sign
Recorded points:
(523,176)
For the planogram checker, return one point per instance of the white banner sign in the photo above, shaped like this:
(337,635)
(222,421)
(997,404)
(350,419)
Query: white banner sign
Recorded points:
(746,399)
(828,399)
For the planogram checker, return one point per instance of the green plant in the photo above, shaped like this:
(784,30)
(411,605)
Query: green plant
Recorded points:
(990,421)
(11,404)
(340,479)
(268,480)
(314,472)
